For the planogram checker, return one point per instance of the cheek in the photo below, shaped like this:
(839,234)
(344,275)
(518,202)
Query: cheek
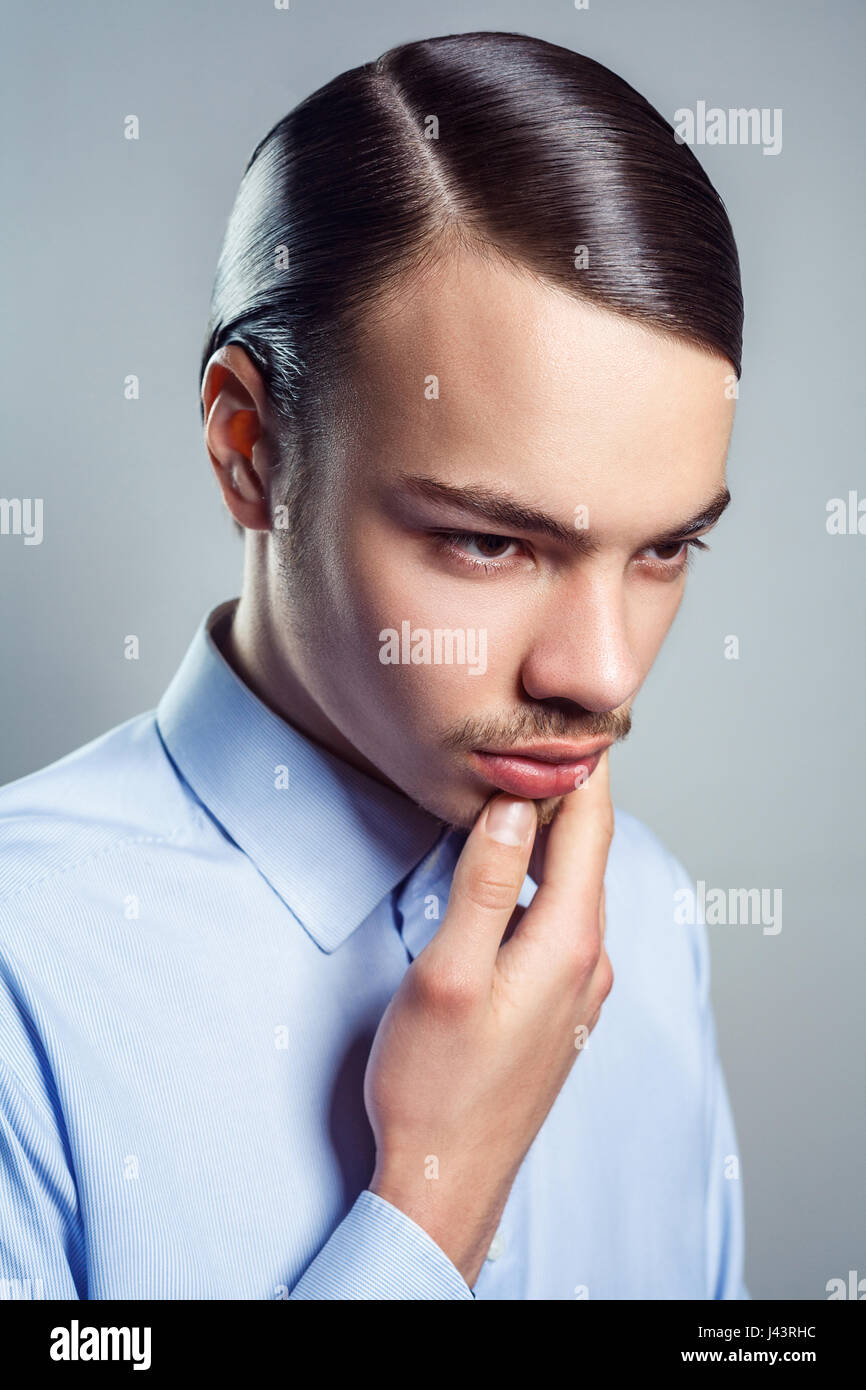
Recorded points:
(388,583)
(428,648)
(651,613)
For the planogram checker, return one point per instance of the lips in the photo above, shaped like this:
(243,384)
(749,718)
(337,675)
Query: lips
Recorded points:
(542,771)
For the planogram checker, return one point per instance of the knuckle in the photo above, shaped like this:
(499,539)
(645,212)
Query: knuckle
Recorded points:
(584,952)
(604,976)
(444,988)
(489,890)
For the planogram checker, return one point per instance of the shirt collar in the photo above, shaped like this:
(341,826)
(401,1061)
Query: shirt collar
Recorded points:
(330,840)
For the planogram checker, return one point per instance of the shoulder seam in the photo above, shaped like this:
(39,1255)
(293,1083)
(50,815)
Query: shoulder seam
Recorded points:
(88,858)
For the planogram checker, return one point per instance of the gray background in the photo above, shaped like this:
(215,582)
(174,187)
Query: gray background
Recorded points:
(752,771)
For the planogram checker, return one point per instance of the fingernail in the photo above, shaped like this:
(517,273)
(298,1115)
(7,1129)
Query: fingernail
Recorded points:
(510,822)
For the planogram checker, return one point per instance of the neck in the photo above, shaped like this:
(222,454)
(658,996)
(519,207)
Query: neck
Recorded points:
(249,645)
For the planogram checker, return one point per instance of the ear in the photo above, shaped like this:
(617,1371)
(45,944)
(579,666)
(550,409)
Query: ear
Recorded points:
(237,440)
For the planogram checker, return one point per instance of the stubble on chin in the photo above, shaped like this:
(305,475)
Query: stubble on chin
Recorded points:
(545,810)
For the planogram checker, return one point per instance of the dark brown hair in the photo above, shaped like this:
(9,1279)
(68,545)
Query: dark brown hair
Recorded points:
(540,151)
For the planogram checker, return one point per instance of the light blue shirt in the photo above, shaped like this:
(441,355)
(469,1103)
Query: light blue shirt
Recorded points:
(203,916)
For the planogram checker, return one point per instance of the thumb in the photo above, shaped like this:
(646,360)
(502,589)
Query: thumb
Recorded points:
(487,880)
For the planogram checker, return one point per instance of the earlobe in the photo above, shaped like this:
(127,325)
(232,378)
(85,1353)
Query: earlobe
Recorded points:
(243,493)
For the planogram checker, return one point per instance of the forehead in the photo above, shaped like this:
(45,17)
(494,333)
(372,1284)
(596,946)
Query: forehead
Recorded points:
(491,374)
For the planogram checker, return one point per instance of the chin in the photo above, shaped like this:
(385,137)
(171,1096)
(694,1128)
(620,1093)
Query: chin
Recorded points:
(461,813)
(546,810)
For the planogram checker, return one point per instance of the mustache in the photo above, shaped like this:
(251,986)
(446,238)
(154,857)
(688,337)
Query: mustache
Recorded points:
(528,725)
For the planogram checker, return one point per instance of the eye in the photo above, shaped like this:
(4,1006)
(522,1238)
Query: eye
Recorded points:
(480,549)
(673,558)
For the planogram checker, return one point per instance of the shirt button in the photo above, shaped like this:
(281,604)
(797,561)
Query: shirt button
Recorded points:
(497,1247)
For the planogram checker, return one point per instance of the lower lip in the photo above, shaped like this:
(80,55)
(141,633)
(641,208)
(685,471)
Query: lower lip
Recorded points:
(532,778)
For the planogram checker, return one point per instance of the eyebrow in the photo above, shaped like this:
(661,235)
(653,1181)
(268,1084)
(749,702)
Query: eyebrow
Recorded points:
(504,510)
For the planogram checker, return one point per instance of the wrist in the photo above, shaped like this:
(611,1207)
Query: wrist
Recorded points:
(461,1217)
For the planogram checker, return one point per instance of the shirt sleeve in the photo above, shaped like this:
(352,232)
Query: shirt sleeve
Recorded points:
(40,1248)
(724,1225)
(377,1252)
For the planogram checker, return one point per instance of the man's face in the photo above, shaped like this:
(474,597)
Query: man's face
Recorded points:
(486,397)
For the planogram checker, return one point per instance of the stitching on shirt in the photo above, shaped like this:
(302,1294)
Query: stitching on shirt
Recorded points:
(88,858)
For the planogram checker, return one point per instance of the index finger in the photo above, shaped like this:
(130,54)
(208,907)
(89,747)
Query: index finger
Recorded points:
(569,896)
(579,839)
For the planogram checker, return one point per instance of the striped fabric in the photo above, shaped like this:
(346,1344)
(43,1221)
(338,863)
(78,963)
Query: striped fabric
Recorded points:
(202,919)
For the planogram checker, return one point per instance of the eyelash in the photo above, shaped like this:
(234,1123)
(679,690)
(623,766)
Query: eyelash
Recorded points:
(447,541)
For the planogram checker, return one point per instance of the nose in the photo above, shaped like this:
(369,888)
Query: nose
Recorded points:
(580,649)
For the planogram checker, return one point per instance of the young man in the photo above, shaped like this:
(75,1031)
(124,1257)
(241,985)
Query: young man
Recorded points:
(295,1000)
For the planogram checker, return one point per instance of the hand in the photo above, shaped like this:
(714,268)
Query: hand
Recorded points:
(477,1042)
